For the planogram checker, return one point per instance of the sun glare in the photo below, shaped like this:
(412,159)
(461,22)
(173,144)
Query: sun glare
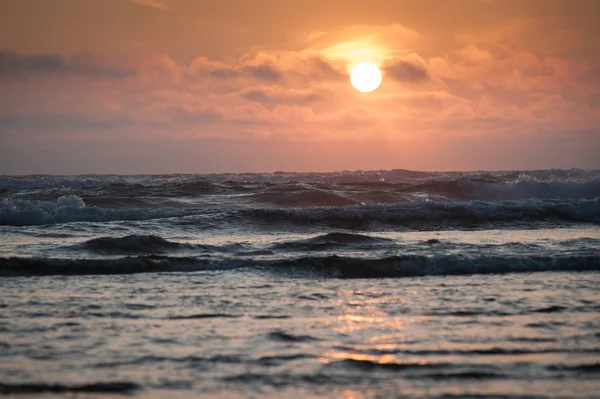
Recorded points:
(365,77)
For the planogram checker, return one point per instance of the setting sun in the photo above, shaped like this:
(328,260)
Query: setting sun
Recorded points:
(365,77)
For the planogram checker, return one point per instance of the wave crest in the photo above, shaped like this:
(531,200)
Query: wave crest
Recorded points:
(333,240)
(132,244)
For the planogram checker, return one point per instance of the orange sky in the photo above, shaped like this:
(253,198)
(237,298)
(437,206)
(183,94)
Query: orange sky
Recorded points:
(198,86)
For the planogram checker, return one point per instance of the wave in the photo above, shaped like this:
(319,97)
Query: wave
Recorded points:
(331,241)
(442,265)
(327,266)
(579,368)
(133,244)
(364,217)
(93,181)
(16,266)
(290,194)
(443,189)
(283,336)
(301,195)
(43,388)
(343,177)
(86,181)
(366,363)
(17,212)
(151,244)
(71,208)
(524,187)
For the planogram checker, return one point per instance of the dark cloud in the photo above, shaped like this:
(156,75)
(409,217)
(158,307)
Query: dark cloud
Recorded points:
(264,72)
(488,123)
(256,95)
(224,73)
(406,71)
(15,65)
(59,121)
(196,117)
(261,96)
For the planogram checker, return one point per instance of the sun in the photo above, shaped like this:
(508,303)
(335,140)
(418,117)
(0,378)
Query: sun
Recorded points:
(365,77)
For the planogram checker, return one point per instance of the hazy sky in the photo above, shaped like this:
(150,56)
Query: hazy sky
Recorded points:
(198,86)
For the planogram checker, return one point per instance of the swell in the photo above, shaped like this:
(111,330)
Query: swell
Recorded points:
(73,209)
(150,244)
(523,187)
(16,266)
(289,194)
(16,183)
(363,217)
(326,266)
(70,208)
(134,244)
(332,241)
(443,265)
(96,388)
(301,195)
(454,189)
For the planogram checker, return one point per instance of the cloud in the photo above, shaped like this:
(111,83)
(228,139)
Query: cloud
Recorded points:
(160,4)
(256,95)
(15,65)
(196,117)
(224,73)
(407,71)
(159,68)
(59,121)
(264,72)
(260,71)
(287,68)
(282,97)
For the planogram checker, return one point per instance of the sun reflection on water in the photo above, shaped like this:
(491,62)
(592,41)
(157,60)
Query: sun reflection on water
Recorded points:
(375,322)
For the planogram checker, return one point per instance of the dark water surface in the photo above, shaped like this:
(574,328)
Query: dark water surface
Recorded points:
(350,285)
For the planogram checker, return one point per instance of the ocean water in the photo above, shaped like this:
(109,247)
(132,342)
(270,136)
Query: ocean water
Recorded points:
(373,284)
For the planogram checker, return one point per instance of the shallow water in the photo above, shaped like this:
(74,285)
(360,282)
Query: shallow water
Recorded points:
(349,285)
(251,333)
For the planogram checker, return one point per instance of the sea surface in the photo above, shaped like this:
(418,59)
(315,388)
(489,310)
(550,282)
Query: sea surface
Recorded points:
(358,284)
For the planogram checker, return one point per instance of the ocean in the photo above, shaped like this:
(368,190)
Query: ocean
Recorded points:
(357,284)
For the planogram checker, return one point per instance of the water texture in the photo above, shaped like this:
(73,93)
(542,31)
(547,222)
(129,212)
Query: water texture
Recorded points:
(352,285)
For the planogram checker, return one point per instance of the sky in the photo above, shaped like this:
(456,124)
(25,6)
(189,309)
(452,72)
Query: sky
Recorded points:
(207,86)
